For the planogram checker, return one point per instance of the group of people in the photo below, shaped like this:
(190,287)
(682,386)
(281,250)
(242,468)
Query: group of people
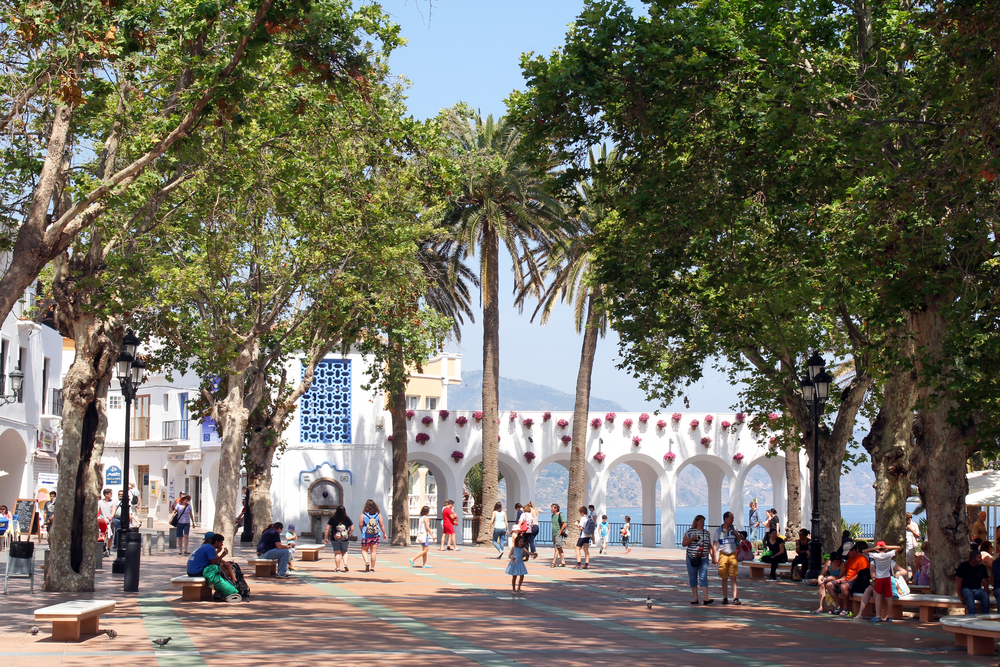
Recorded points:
(726,548)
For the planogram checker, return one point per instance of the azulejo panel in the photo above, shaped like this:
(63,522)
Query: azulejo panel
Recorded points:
(326,407)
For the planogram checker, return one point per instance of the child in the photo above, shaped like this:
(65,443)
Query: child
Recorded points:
(290,538)
(516,568)
(829,574)
(923,566)
(625,531)
(425,535)
(881,557)
(603,529)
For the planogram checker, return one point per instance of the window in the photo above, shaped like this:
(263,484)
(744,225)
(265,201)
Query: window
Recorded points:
(114,402)
(140,420)
(182,402)
(45,385)
(166,402)
(22,364)
(326,408)
(412,402)
(432,403)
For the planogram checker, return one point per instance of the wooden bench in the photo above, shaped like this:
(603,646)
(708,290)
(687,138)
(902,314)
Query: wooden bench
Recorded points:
(71,619)
(193,589)
(264,567)
(975,633)
(310,551)
(758,569)
(928,603)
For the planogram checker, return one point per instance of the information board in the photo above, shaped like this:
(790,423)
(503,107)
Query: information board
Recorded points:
(113,476)
(24,510)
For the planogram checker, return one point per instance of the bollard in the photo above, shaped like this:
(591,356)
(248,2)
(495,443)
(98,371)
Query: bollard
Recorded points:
(147,544)
(133,554)
(172,538)
(99,563)
(161,541)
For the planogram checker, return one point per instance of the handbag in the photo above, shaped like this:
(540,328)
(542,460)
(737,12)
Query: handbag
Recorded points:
(173,520)
(695,561)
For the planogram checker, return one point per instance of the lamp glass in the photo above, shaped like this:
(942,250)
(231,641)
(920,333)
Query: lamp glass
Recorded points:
(129,343)
(124,366)
(138,372)
(822,384)
(808,389)
(815,364)
(16,378)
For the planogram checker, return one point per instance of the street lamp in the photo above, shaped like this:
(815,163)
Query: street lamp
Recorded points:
(16,378)
(131,372)
(815,392)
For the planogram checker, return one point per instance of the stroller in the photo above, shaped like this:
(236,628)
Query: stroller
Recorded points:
(103,535)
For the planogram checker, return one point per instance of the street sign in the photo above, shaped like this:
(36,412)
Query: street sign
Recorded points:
(113,475)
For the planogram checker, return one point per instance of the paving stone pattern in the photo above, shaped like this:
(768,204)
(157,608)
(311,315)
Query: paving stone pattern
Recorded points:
(461,612)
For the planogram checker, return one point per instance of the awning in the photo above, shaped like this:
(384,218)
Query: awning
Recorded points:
(984,487)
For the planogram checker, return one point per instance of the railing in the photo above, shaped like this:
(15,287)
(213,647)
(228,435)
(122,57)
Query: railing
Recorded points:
(867,532)
(544,535)
(184,428)
(56,405)
(171,429)
(679,538)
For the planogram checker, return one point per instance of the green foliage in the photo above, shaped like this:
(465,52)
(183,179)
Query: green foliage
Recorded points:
(474,483)
(854,529)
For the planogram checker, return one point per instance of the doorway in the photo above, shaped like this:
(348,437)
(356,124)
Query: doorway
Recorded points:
(192,487)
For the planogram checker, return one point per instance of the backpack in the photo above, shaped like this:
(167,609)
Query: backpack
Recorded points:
(371,528)
(744,551)
(590,526)
(340,532)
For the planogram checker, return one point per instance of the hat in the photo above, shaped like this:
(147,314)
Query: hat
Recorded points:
(846,547)
(880,543)
(291,527)
(209,535)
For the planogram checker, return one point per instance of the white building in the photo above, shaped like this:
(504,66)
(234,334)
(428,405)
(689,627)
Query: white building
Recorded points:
(29,422)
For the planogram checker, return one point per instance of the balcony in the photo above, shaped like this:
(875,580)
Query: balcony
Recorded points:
(55,406)
(176,429)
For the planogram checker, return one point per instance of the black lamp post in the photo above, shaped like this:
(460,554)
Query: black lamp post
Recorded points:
(815,391)
(131,372)
(16,378)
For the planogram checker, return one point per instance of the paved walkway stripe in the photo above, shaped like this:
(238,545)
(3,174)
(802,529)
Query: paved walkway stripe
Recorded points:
(160,621)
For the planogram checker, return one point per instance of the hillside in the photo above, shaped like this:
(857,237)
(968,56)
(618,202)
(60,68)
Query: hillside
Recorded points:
(519,395)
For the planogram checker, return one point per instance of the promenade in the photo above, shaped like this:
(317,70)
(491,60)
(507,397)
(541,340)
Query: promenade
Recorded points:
(460,613)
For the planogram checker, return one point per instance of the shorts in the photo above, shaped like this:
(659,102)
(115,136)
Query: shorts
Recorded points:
(858,586)
(624,540)
(370,541)
(729,566)
(583,540)
(183,529)
(883,586)
(448,528)
(558,540)
(424,540)
(340,545)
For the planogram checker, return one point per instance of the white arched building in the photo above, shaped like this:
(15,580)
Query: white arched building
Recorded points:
(718,451)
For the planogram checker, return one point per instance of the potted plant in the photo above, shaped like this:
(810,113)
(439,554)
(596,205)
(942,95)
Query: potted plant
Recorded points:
(546,416)
(708,419)
(738,457)
(725,424)
(427,420)
(600,456)
(610,417)
(562,423)
(457,455)
(461,420)
(669,457)
(595,422)
(528,422)
(529,456)
(636,440)
(443,415)
(661,424)
(409,414)
(566,439)
(706,441)
(512,416)
(676,416)
(740,417)
(644,417)
(627,423)
(694,424)
(478,415)
(422,438)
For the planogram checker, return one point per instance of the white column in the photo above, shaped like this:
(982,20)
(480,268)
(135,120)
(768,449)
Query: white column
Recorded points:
(714,478)
(737,481)
(648,478)
(668,510)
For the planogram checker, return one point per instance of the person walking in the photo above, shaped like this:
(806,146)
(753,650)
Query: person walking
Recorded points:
(425,535)
(183,512)
(499,521)
(699,549)
(532,515)
(559,531)
(912,542)
(339,529)
(449,519)
(587,528)
(753,521)
(372,529)
(516,567)
(727,542)
(624,533)
(603,532)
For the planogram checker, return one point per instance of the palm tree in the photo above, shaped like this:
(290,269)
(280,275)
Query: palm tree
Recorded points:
(568,264)
(448,293)
(502,198)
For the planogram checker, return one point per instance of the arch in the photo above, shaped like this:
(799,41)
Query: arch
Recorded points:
(774,466)
(14,455)
(562,457)
(650,472)
(447,483)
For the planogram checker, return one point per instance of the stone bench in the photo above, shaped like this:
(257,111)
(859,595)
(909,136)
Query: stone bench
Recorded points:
(71,619)
(928,603)
(310,551)
(193,589)
(975,633)
(869,610)
(758,570)
(264,567)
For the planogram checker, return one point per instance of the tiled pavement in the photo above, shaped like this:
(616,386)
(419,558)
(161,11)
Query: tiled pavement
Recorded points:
(460,612)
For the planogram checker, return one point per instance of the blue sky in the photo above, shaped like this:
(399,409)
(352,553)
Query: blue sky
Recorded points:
(469,51)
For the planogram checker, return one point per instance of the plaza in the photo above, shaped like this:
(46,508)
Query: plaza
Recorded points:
(460,612)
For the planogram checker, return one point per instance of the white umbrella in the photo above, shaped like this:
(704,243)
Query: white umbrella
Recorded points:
(3,472)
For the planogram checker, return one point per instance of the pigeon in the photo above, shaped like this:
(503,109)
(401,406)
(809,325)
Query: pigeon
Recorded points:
(110,633)
(33,629)
(162,641)
(649,602)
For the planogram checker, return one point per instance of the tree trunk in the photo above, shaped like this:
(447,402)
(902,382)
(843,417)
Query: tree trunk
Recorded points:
(581,410)
(232,417)
(888,445)
(400,531)
(939,454)
(73,537)
(259,459)
(793,487)
(491,378)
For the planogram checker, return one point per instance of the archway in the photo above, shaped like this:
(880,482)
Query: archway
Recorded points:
(755,476)
(632,481)
(440,484)
(13,455)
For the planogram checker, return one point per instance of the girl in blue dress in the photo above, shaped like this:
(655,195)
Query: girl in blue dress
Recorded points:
(516,568)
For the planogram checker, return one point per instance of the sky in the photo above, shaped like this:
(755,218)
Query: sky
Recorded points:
(469,51)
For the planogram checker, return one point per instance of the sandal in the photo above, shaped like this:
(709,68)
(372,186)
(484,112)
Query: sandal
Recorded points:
(708,601)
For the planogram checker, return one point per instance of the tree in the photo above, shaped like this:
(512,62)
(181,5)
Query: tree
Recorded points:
(501,198)
(568,264)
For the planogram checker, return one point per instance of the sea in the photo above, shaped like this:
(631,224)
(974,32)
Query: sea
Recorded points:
(685,515)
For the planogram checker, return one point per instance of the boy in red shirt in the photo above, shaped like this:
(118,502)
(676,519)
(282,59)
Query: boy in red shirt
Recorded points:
(882,559)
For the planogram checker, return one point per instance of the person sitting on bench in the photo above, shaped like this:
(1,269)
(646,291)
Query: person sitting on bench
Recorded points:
(855,579)
(207,561)
(774,553)
(270,547)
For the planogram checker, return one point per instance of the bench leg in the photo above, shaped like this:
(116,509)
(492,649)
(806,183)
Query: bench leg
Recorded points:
(264,570)
(272,569)
(310,555)
(961,639)
(927,614)
(66,631)
(756,573)
(980,645)
(88,626)
(206,593)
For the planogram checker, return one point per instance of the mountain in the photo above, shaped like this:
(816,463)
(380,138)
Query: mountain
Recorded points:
(519,395)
